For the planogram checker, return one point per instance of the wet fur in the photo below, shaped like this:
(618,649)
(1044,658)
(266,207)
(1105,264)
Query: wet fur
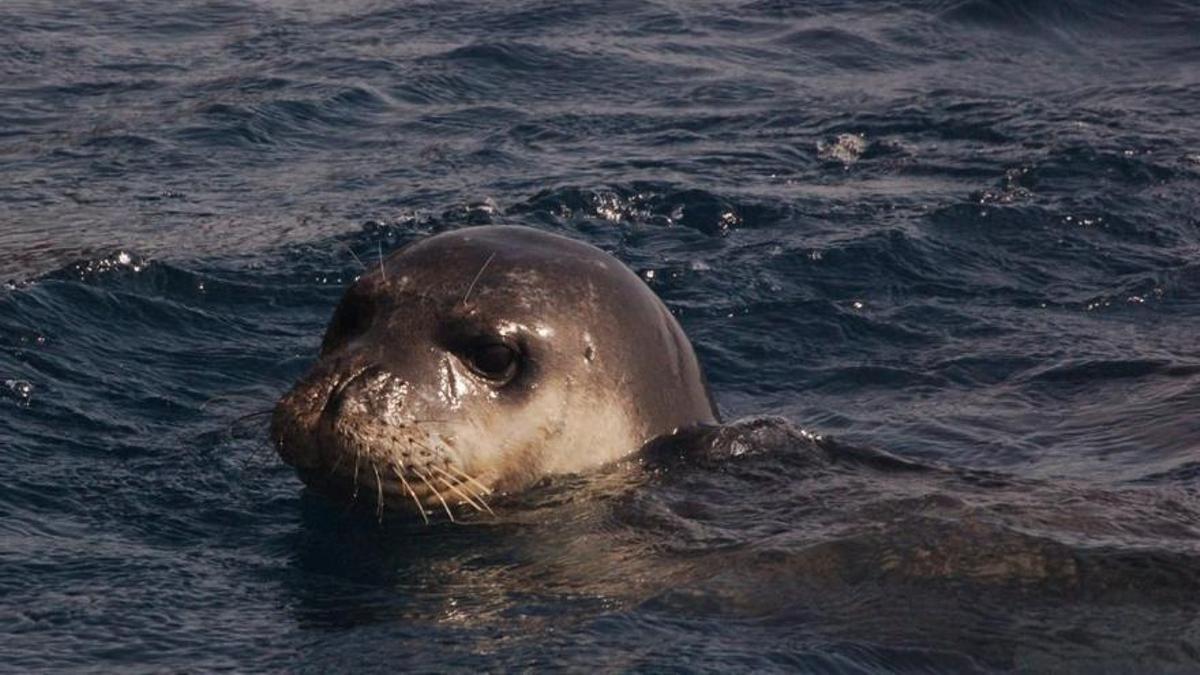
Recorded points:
(392,408)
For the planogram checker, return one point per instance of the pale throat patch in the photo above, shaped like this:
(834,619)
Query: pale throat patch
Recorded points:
(549,434)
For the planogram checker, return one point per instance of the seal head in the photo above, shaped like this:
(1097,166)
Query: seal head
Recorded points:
(480,360)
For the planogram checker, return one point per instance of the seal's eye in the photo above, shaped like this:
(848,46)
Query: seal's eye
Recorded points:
(493,360)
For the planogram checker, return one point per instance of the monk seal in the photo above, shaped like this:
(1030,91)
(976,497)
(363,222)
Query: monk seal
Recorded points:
(480,360)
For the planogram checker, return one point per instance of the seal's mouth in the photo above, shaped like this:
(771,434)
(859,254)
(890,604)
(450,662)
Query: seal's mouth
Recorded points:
(354,441)
(429,490)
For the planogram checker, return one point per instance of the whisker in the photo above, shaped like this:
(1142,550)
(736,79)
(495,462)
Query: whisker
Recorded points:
(356,258)
(378,494)
(420,509)
(460,493)
(260,413)
(455,487)
(228,398)
(382,271)
(476,279)
(421,445)
(232,427)
(460,483)
(357,457)
(438,495)
(338,462)
(486,490)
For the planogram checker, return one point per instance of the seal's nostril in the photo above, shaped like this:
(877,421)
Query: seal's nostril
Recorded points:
(370,390)
(368,373)
(345,390)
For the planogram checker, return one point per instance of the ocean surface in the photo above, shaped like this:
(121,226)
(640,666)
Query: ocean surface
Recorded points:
(955,242)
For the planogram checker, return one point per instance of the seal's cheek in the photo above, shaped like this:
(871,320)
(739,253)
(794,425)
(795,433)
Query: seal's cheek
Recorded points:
(554,430)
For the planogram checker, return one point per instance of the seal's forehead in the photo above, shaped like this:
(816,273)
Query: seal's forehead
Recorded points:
(512,245)
(536,265)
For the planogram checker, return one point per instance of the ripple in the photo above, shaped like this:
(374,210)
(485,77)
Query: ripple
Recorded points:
(283,121)
(1117,17)
(944,254)
(657,205)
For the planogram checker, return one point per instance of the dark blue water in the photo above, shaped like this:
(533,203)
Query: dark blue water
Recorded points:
(965,233)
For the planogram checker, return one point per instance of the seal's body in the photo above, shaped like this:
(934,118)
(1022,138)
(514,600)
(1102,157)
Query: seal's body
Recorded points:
(482,359)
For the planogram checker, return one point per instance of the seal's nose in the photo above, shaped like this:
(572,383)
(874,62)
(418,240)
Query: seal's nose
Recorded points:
(373,392)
